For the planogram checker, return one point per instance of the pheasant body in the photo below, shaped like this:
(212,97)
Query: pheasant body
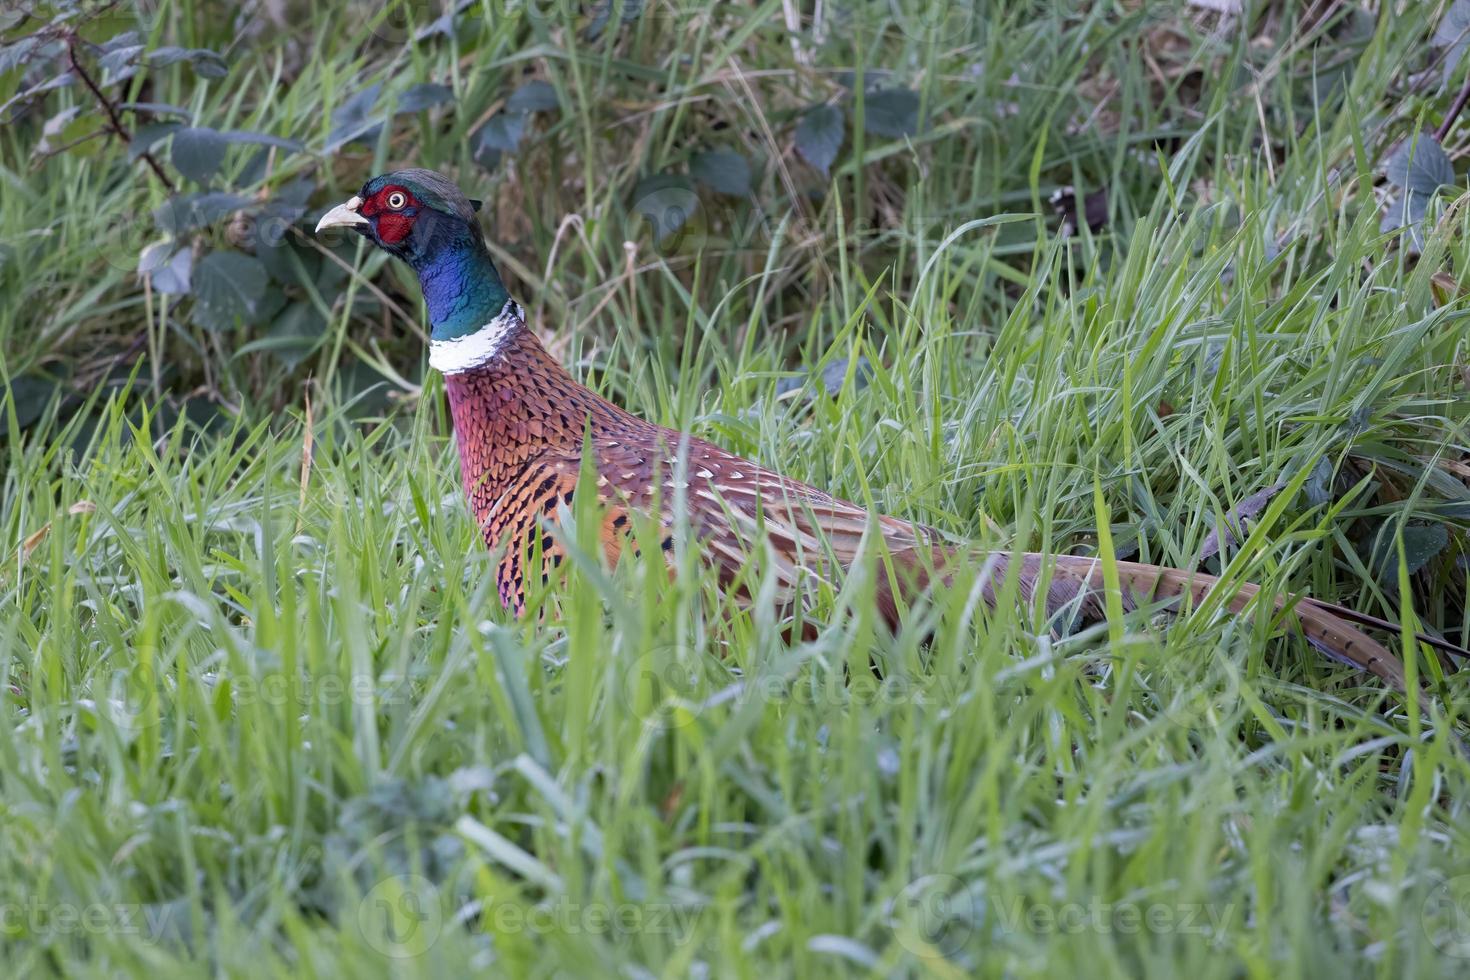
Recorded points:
(522,421)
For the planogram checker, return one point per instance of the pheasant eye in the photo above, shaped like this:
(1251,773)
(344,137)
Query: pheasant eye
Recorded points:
(397,200)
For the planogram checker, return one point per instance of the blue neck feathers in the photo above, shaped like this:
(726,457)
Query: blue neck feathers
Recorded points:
(461,286)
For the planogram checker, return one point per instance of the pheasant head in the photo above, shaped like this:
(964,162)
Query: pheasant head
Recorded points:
(422,218)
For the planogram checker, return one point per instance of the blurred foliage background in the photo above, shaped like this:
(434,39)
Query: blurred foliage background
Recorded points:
(1092,276)
(163,161)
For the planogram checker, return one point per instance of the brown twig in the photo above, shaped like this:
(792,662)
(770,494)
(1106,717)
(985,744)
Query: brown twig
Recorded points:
(1456,108)
(114,122)
(41,157)
(308,440)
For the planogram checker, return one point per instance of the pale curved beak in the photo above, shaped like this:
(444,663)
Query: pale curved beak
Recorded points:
(342,215)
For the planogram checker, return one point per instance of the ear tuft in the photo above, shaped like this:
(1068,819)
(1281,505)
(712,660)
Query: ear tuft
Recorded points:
(476,205)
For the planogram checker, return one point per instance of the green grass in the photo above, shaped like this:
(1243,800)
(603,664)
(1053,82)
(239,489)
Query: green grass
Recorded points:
(260,711)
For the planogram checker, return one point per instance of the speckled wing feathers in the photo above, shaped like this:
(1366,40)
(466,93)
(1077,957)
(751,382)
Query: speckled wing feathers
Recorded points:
(520,424)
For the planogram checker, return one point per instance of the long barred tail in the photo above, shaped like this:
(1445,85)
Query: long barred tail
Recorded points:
(1076,586)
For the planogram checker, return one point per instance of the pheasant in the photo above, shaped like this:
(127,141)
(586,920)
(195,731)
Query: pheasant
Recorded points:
(521,422)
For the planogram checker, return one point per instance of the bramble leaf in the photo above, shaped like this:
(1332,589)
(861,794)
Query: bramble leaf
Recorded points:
(819,136)
(722,170)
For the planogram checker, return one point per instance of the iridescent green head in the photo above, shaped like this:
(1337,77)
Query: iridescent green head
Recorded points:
(423,218)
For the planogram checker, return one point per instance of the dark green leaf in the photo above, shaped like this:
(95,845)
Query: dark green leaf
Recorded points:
(270,305)
(12,56)
(261,139)
(872,78)
(362,131)
(722,170)
(58,123)
(834,374)
(831,378)
(1407,211)
(350,120)
(206,63)
(256,170)
(1453,32)
(1318,488)
(359,104)
(1422,542)
(1419,168)
(157,108)
(486,156)
(293,334)
(289,263)
(1419,165)
(30,394)
(127,39)
(891,112)
(228,289)
(603,11)
(535,96)
(502,132)
(170,268)
(175,277)
(1235,522)
(190,211)
(149,134)
(166,55)
(665,203)
(290,200)
(116,61)
(198,152)
(417,98)
(819,136)
(59,81)
(443,24)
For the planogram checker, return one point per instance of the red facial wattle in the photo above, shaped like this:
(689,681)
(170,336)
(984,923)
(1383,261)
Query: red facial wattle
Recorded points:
(392,224)
(394,227)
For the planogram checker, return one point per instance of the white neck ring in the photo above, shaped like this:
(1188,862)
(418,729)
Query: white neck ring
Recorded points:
(479,348)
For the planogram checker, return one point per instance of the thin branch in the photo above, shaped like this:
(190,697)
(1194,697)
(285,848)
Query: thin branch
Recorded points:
(45,155)
(1455,109)
(113,120)
(367,283)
